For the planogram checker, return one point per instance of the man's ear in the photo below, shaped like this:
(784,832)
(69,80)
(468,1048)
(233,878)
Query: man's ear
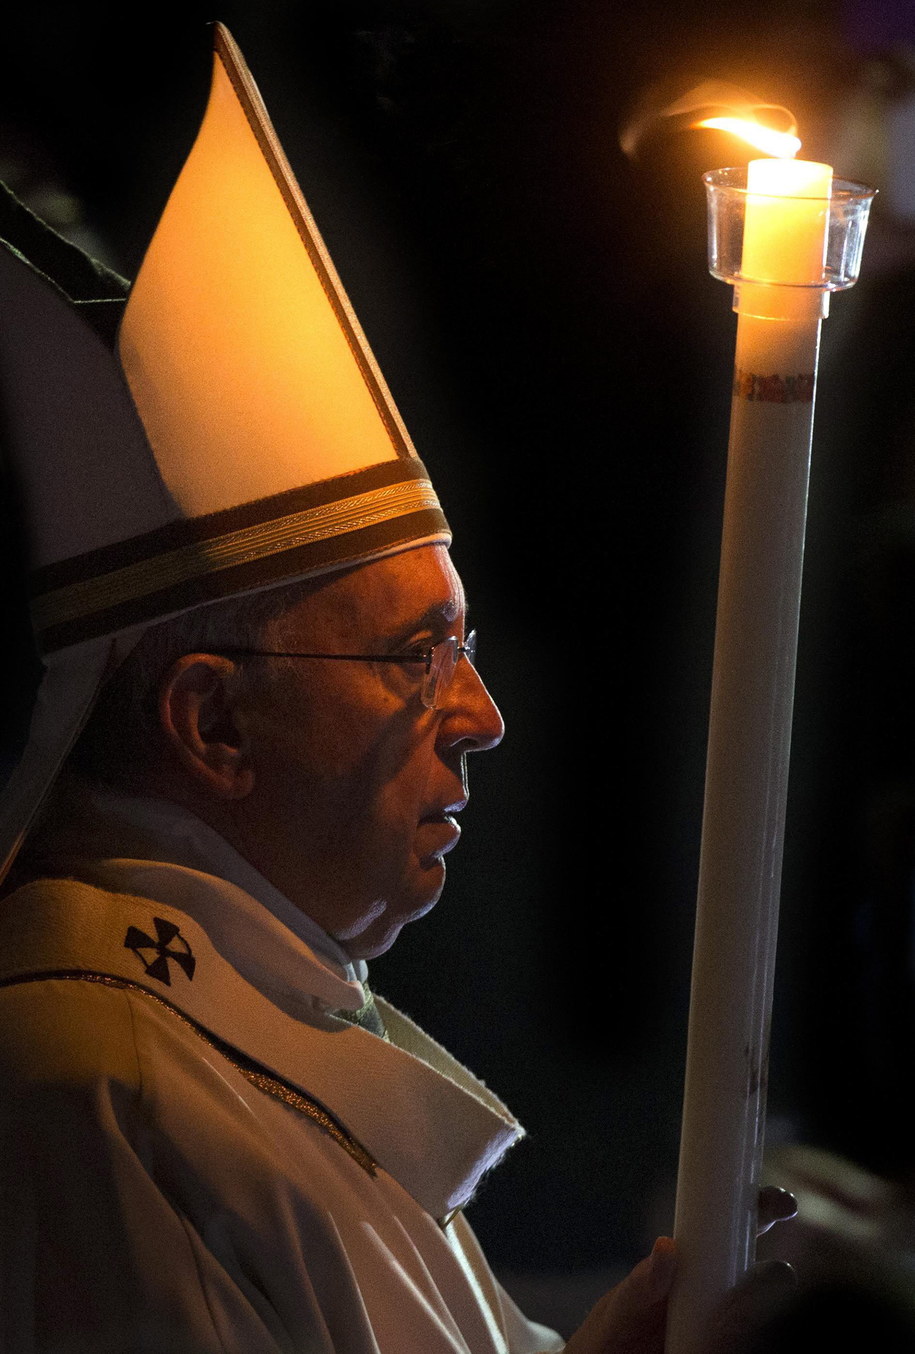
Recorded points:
(203,725)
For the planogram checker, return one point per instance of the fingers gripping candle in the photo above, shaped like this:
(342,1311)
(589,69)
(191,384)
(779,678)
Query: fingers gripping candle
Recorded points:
(780,267)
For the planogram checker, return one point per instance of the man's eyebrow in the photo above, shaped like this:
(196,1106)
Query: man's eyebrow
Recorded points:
(446,611)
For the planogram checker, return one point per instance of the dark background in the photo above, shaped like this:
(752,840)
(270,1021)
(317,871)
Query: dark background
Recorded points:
(542,310)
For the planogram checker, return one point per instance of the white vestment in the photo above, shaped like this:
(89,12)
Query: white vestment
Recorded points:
(197,1154)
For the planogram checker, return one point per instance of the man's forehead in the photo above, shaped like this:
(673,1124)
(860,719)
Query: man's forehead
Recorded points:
(415,587)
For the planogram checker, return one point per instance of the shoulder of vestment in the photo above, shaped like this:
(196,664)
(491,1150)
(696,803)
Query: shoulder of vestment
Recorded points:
(416,1112)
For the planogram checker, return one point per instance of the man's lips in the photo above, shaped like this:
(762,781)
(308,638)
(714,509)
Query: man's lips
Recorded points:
(442,828)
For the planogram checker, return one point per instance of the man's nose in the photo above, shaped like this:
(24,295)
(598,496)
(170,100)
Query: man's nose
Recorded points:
(471,715)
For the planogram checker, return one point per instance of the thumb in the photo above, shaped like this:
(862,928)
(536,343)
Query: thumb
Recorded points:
(630,1318)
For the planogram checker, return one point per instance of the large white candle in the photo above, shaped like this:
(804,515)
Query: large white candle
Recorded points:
(780,304)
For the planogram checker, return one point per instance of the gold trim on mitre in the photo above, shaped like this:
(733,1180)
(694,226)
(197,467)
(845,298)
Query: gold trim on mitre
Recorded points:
(305,531)
(167,570)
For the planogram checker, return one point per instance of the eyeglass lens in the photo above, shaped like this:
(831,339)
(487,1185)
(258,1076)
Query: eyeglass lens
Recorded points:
(444,663)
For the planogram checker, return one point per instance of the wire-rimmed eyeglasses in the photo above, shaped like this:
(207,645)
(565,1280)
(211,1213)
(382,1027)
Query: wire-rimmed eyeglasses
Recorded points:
(439,660)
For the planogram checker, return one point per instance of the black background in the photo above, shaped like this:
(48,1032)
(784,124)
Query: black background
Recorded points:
(542,311)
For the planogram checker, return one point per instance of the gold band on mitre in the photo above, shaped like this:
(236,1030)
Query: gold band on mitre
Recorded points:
(305,531)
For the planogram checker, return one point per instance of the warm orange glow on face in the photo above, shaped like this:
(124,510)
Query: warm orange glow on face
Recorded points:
(770,142)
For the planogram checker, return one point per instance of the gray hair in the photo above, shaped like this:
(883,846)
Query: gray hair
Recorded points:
(121,741)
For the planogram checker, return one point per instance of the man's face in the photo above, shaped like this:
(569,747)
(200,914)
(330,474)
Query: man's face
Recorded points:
(355,781)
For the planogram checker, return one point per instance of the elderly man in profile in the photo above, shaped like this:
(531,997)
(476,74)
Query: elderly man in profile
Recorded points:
(294,813)
(247,753)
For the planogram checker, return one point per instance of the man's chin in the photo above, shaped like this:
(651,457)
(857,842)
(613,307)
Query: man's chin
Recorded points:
(383,930)
(364,948)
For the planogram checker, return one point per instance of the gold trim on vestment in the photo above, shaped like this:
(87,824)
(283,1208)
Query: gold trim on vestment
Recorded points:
(235,547)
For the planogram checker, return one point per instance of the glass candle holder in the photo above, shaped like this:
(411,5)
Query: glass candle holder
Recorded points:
(846,212)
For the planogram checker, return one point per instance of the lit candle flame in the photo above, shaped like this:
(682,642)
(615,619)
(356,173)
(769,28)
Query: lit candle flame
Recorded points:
(780,144)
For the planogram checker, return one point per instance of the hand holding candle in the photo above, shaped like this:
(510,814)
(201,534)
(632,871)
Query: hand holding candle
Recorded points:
(784,238)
